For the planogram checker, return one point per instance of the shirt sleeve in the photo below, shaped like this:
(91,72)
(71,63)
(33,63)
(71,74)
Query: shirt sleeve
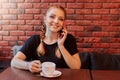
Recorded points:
(70,44)
(29,47)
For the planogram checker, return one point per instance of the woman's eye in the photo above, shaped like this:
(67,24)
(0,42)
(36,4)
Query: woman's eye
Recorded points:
(52,17)
(61,19)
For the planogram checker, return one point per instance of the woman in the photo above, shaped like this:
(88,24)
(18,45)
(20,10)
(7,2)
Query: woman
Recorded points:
(53,44)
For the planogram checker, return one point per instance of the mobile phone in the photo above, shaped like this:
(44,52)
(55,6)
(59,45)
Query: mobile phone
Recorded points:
(61,33)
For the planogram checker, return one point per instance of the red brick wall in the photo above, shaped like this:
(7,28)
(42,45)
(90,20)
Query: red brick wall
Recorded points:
(95,23)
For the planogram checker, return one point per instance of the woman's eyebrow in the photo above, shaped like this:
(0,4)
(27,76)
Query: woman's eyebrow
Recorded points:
(56,15)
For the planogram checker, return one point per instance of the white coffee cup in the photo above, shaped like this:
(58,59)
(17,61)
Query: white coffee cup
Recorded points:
(48,68)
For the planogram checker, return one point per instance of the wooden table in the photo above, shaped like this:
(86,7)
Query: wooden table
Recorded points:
(67,74)
(105,74)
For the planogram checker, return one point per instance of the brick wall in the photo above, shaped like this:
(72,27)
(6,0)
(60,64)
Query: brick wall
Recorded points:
(94,23)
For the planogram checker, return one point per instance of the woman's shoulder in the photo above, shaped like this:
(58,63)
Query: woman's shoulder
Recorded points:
(70,38)
(34,38)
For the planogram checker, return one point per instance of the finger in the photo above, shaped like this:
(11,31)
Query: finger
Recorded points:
(34,69)
(36,65)
(64,30)
(37,62)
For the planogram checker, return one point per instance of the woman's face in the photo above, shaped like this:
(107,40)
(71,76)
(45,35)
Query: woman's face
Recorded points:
(54,19)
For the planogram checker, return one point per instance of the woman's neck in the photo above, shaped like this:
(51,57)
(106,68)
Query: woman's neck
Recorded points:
(51,38)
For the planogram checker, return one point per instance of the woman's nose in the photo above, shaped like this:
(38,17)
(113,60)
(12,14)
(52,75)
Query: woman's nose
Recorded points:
(56,20)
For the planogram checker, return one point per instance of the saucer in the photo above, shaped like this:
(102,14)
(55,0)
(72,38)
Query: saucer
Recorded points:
(56,73)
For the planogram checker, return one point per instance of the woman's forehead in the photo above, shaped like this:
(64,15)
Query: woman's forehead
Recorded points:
(56,11)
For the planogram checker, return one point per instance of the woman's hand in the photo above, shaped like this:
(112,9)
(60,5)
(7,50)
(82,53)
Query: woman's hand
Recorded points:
(34,66)
(62,36)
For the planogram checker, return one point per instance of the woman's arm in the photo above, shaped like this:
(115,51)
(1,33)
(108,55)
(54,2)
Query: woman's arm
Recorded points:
(73,61)
(19,62)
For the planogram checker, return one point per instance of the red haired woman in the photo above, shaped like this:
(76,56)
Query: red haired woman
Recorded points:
(53,44)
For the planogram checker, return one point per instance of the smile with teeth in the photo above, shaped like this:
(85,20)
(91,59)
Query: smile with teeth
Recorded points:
(55,26)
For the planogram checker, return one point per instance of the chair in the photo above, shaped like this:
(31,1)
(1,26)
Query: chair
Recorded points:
(15,49)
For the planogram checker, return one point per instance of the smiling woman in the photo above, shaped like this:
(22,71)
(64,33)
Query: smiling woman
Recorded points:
(54,20)
(53,44)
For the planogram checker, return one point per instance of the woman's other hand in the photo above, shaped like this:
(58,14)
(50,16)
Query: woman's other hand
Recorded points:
(34,66)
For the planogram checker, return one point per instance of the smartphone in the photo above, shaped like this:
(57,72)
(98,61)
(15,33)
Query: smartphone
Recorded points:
(61,33)
(61,29)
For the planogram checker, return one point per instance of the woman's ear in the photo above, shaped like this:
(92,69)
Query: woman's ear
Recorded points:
(64,24)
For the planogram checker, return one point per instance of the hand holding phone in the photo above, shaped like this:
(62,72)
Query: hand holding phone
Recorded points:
(62,30)
(62,36)
(61,33)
